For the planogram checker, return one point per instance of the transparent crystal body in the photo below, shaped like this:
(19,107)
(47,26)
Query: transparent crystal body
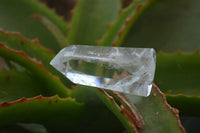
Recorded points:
(128,70)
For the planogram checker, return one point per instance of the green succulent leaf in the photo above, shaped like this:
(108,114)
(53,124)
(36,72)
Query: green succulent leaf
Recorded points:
(185,104)
(51,83)
(114,28)
(156,112)
(124,32)
(98,113)
(59,36)
(89,20)
(167,25)
(178,73)
(32,48)
(15,16)
(15,85)
(65,112)
(117,110)
(161,24)
(147,113)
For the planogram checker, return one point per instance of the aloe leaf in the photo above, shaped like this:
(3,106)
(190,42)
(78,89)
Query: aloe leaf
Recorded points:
(155,110)
(15,16)
(51,83)
(89,20)
(178,73)
(117,110)
(32,48)
(185,103)
(15,85)
(167,25)
(99,112)
(96,111)
(59,36)
(124,32)
(65,113)
(115,27)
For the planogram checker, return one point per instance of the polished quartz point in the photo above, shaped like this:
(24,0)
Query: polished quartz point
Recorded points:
(128,70)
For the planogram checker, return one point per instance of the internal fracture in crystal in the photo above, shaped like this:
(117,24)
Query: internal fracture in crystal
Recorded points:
(128,70)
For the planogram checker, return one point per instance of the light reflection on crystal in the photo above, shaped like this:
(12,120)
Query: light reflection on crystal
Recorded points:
(128,70)
(88,79)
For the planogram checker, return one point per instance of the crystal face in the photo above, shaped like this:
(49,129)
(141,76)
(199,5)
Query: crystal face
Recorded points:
(128,70)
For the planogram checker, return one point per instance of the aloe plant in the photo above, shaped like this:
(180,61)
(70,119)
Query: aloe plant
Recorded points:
(36,98)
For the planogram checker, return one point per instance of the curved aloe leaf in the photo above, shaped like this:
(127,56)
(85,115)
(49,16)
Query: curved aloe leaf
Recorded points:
(185,104)
(124,32)
(152,110)
(117,110)
(15,16)
(99,112)
(90,18)
(178,73)
(172,69)
(155,110)
(15,85)
(102,111)
(32,48)
(166,24)
(55,31)
(51,83)
(65,112)
(114,28)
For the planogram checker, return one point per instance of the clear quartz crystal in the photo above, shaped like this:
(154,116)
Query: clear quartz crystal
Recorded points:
(128,70)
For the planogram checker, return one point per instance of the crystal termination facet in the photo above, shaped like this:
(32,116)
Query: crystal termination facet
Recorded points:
(128,70)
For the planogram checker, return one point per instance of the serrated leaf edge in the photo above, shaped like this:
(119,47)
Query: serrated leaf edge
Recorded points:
(39,67)
(33,42)
(173,110)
